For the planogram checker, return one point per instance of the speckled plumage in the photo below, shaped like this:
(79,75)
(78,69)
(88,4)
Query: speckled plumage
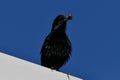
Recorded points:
(56,49)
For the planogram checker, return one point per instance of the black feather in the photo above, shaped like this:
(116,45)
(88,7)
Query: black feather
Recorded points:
(56,49)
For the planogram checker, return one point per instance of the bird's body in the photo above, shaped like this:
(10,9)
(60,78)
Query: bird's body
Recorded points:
(56,49)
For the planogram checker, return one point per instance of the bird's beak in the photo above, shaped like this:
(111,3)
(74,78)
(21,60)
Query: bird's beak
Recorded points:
(69,17)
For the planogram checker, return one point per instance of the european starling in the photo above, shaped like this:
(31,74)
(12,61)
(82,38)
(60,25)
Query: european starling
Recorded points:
(56,49)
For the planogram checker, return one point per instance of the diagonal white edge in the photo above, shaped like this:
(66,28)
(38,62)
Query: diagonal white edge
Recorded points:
(12,68)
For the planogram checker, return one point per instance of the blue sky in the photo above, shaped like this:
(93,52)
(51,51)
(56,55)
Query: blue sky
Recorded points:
(94,33)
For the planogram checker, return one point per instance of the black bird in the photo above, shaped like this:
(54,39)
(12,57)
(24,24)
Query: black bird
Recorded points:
(56,49)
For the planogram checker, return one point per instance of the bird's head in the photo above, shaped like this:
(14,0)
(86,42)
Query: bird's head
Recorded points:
(59,24)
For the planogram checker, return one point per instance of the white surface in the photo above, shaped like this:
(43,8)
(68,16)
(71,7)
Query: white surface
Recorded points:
(12,68)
